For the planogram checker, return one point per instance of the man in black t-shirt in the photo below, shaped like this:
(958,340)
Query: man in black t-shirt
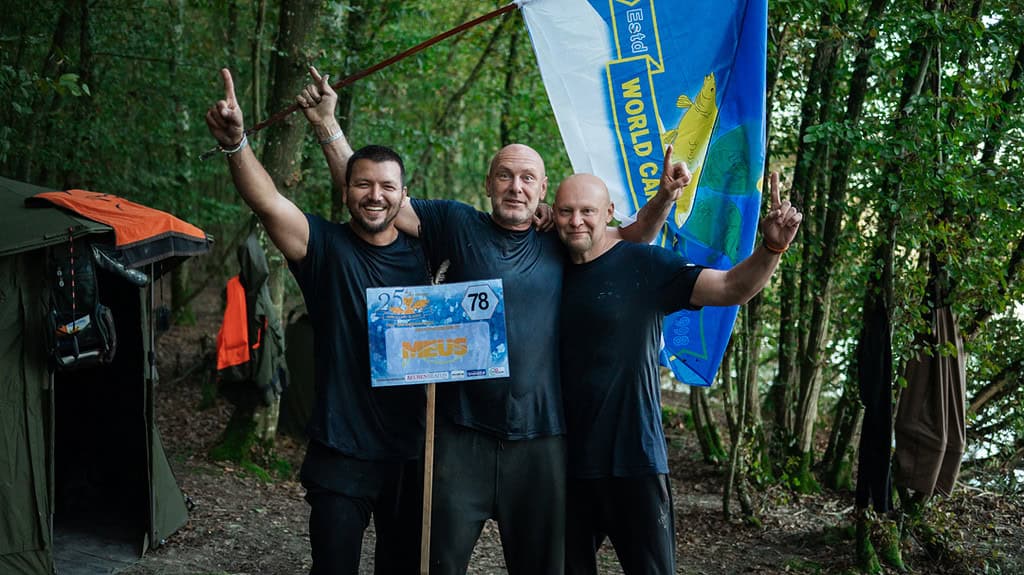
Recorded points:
(614,297)
(365,444)
(500,451)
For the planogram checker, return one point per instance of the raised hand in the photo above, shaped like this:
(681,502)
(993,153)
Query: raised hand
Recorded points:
(779,226)
(674,176)
(544,217)
(318,99)
(224,119)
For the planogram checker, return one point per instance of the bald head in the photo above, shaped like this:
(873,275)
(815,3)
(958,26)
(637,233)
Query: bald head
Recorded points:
(583,210)
(516,183)
(584,185)
(519,153)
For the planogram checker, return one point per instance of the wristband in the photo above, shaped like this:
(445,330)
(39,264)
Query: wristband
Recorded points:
(774,249)
(337,136)
(238,148)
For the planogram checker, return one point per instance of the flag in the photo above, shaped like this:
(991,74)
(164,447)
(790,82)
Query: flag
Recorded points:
(628,77)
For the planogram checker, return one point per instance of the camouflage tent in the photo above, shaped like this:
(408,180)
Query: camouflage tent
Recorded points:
(79,449)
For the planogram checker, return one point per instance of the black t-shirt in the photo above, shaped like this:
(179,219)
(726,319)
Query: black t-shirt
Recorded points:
(612,312)
(373,424)
(529,403)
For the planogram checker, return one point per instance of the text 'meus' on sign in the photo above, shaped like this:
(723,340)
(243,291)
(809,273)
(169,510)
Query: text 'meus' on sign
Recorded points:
(439,333)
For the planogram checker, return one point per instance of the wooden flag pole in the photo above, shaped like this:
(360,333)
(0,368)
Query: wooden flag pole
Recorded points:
(428,480)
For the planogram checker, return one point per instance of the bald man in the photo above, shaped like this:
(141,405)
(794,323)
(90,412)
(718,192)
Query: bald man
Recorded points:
(614,297)
(500,451)
(501,443)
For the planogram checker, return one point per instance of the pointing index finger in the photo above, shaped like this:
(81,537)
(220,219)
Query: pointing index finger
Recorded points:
(229,86)
(776,200)
(667,167)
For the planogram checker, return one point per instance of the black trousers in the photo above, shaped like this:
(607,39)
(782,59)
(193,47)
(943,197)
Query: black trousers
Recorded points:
(635,513)
(519,484)
(344,493)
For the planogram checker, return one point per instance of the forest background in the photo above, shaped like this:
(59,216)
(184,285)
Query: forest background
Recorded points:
(898,127)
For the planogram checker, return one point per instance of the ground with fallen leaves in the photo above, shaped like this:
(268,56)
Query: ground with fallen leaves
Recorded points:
(240,523)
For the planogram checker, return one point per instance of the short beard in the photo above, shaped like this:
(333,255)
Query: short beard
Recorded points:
(373,229)
(580,247)
(504,220)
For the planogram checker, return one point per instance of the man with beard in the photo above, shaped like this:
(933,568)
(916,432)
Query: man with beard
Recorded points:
(365,443)
(614,298)
(500,451)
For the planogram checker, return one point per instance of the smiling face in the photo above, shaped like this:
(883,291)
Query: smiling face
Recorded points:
(583,211)
(516,183)
(374,196)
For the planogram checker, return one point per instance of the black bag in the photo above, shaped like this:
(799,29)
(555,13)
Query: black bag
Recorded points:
(81,328)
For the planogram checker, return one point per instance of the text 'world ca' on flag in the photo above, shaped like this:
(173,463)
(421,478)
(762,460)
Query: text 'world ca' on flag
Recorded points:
(628,77)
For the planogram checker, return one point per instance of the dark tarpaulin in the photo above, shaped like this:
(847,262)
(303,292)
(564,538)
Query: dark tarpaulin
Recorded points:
(930,430)
(874,378)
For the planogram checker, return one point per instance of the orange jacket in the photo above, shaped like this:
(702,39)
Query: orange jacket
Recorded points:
(233,337)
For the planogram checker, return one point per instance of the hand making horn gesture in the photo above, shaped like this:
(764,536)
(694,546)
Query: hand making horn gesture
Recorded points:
(674,176)
(780,224)
(224,119)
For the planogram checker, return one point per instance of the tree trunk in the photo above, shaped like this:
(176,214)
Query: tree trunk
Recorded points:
(704,426)
(507,101)
(181,309)
(814,109)
(53,65)
(256,57)
(846,423)
(818,331)
(740,429)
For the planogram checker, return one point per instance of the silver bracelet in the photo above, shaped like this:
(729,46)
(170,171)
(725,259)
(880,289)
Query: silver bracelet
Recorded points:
(336,136)
(232,151)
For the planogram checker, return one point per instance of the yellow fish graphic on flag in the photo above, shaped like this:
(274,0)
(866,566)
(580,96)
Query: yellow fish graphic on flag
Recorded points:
(690,140)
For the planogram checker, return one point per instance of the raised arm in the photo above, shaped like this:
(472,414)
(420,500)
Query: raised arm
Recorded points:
(318,102)
(747,278)
(651,216)
(285,223)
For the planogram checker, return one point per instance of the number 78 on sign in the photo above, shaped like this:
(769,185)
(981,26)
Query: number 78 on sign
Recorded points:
(437,333)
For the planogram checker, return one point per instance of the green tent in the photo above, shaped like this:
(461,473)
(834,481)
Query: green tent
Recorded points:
(80,455)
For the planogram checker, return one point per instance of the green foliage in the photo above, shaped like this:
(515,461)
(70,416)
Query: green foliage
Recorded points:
(797,475)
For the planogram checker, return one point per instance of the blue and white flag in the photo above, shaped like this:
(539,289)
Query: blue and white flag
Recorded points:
(628,77)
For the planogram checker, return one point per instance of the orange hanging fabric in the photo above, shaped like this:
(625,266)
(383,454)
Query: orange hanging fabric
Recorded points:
(233,337)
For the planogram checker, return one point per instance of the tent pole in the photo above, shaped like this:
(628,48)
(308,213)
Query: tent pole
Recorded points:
(51,442)
(150,401)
